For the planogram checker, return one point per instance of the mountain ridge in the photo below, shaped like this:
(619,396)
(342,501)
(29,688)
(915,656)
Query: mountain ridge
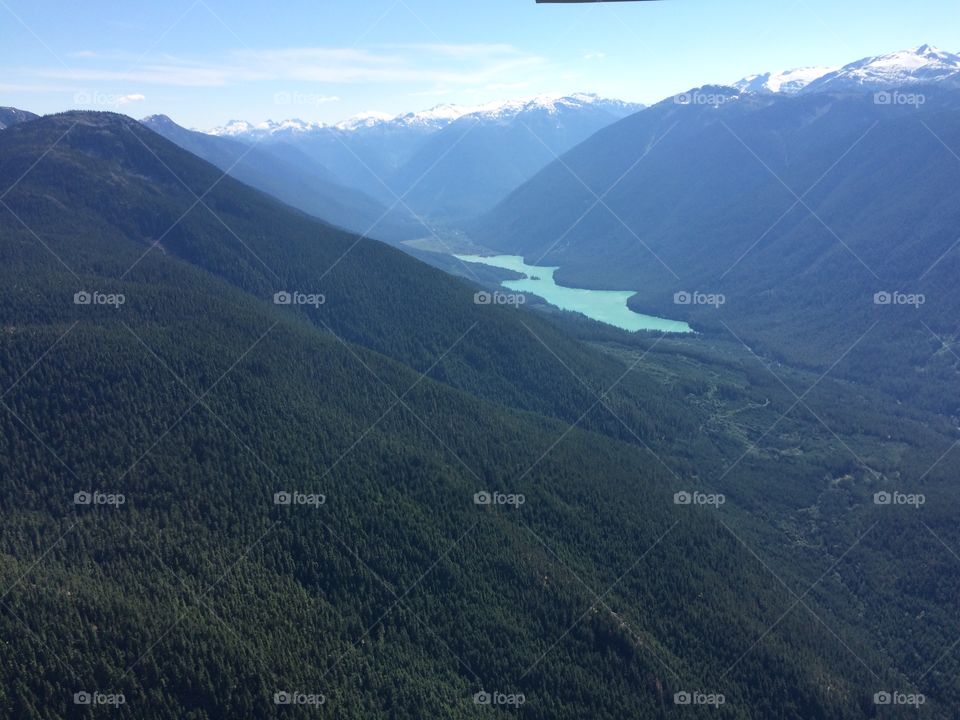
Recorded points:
(309,385)
(682,207)
(922,64)
(10,116)
(401,401)
(448,163)
(292,177)
(436,117)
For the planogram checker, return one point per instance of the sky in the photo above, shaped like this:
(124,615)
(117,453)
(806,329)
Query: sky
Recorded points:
(205,62)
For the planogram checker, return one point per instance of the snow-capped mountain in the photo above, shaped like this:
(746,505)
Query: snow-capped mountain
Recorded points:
(507,110)
(482,153)
(451,161)
(243,129)
(923,64)
(435,118)
(363,120)
(279,169)
(784,81)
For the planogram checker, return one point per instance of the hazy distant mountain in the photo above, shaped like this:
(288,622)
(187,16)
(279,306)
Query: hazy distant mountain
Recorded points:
(450,161)
(436,118)
(699,196)
(478,158)
(11,116)
(284,172)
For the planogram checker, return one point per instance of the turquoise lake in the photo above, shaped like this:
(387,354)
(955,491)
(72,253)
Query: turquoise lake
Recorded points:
(606,306)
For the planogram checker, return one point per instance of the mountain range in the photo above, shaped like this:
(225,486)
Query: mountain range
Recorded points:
(799,208)
(447,163)
(435,118)
(283,171)
(919,65)
(393,404)
(451,163)
(252,455)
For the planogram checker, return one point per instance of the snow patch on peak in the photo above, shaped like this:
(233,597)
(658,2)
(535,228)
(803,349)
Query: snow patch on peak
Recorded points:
(440,116)
(233,127)
(783,81)
(434,118)
(922,64)
(551,104)
(366,119)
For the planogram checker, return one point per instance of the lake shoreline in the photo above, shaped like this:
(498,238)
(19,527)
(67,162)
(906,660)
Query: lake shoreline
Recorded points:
(606,306)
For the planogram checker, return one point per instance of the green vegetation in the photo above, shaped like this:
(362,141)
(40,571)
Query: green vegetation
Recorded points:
(797,209)
(398,399)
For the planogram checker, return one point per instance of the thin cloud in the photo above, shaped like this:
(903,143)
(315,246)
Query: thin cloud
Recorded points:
(438,92)
(460,50)
(179,75)
(436,65)
(507,86)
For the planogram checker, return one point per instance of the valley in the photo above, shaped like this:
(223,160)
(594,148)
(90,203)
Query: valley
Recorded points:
(562,406)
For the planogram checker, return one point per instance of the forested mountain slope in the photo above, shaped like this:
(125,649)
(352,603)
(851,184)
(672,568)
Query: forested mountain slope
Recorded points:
(799,210)
(143,355)
(289,175)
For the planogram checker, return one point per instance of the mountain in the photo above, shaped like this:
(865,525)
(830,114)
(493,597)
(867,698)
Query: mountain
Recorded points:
(435,118)
(449,162)
(924,64)
(220,498)
(847,198)
(11,116)
(478,158)
(292,177)
(785,81)
(920,65)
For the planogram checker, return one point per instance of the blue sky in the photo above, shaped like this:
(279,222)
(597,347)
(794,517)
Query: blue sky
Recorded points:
(204,62)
